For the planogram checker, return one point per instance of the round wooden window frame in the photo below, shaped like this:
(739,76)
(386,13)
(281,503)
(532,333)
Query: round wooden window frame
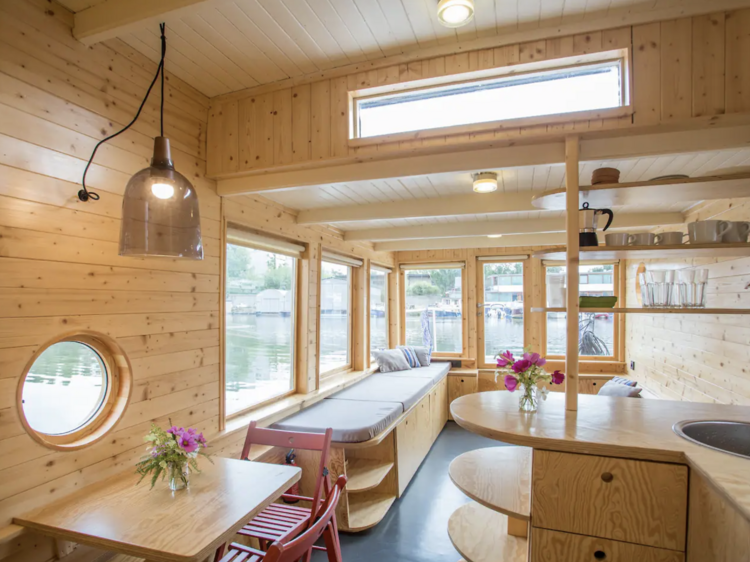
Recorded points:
(119,384)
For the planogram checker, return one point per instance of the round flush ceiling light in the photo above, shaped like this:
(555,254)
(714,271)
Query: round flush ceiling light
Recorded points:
(485,182)
(494,236)
(455,13)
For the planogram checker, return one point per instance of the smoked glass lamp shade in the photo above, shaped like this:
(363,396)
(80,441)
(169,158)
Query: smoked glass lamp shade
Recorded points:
(160,214)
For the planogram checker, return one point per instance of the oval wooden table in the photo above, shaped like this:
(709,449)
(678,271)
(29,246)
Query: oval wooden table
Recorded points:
(163,526)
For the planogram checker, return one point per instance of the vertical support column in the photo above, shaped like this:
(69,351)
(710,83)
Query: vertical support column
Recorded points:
(360,315)
(308,320)
(394,310)
(572,258)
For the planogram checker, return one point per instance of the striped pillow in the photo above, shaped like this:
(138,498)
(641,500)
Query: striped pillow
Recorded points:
(411,356)
(623,380)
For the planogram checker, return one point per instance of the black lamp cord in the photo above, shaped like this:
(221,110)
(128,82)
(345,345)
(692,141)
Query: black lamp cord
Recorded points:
(84,194)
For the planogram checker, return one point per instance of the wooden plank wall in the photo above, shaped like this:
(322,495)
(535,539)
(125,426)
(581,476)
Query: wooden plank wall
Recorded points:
(58,257)
(700,358)
(59,268)
(690,67)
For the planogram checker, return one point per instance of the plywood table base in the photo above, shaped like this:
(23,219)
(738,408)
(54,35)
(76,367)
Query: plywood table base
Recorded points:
(480,535)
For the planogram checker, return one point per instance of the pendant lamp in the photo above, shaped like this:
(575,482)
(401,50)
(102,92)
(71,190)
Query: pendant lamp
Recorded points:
(160,214)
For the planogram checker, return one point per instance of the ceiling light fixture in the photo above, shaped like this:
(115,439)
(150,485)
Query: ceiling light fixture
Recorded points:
(455,13)
(494,236)
(485,182)
(160,213)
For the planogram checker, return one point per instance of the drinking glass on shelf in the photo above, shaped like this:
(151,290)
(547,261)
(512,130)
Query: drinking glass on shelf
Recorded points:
(701,280)
(645,293)
(693,288)
(660,283)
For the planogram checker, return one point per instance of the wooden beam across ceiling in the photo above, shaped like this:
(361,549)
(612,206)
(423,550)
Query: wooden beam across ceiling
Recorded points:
(504,227)
(113,18)
(454,205)
(700,134)
(514,240)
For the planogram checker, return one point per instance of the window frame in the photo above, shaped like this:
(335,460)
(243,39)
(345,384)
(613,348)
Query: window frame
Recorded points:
(618,324)
(322,375)
(118,373)
(621,56)
(464,304)
(224,416)
(481,359)
(387,272)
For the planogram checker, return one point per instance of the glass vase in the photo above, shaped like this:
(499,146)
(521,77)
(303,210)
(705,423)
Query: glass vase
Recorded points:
(529,399)
(178,475)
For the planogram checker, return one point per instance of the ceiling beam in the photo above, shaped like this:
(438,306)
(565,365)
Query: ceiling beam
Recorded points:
(113,18)
(514,240)
(695,135)
(504,227)
(454,205)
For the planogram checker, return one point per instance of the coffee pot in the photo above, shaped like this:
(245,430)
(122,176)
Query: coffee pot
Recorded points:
(587,223)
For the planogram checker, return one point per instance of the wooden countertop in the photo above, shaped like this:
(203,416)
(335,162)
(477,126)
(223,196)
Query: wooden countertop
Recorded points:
(615,427)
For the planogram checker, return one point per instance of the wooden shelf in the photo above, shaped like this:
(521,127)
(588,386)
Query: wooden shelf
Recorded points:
(367,510)
(652,252)
(498,478)
(365,474)
(650,192)
(652,310)
(481,535)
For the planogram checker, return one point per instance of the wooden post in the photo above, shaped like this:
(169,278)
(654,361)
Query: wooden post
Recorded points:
(571,224)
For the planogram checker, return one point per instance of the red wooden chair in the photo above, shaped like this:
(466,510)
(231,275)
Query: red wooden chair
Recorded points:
(292,550)
(281,522)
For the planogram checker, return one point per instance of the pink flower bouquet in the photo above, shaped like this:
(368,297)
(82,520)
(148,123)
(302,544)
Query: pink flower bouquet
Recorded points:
(525,374)
(172,453)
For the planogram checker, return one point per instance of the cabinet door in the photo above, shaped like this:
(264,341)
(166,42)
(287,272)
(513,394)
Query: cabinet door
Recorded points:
(413,441)
(439,407)
(625,500)
(460,386)
(552,546)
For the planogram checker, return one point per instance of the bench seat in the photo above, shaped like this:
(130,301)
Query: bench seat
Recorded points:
(352,421)
(366,409)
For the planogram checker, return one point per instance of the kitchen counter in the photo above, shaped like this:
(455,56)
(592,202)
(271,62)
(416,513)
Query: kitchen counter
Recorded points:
(613,427)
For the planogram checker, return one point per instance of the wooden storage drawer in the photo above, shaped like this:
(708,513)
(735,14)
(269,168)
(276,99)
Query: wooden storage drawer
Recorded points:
(554,546)
(625,500)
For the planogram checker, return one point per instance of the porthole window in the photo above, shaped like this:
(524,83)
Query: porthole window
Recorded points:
(74,390)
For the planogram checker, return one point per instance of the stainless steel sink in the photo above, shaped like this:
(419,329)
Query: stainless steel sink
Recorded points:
(727,436)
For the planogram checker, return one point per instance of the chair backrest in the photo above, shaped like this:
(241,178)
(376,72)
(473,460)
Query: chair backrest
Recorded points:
(295,440)
(297,548)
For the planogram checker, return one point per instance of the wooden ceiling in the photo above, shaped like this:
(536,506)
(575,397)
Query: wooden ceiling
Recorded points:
(221,46)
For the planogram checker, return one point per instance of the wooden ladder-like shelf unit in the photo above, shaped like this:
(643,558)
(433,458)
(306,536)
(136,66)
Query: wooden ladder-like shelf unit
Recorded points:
(495,525)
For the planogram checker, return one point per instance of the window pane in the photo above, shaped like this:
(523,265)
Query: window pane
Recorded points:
(503,309)
(64,388)
(335,316)
(260,310)
(437,294)
(596,331)
(378,310)
(543,93)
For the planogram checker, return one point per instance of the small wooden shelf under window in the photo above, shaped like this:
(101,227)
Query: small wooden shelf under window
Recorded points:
(730,249)
(365,474)
(368,509)
(650,192)
(650,310)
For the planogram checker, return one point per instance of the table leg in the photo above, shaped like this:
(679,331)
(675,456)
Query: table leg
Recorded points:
(518,527)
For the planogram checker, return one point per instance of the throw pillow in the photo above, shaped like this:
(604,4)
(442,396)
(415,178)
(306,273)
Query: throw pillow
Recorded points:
(623,380)
(612,388)
(390,360)
(424,355)
(411,356)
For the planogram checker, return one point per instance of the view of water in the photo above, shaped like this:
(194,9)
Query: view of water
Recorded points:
(64,388)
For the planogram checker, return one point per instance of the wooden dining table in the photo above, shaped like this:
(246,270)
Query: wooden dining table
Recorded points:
(188,525)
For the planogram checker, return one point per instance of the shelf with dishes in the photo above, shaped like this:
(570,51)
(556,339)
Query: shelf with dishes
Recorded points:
(725,249)
(654,191)
(650,310)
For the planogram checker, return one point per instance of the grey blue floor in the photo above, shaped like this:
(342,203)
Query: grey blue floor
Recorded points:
(416,526)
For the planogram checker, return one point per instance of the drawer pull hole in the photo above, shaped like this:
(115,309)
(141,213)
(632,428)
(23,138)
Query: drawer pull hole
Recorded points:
(607,477)
(600,555)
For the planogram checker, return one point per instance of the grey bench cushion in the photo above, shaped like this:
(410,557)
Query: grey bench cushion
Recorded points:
(435,371)
(387,388)
(351,421)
